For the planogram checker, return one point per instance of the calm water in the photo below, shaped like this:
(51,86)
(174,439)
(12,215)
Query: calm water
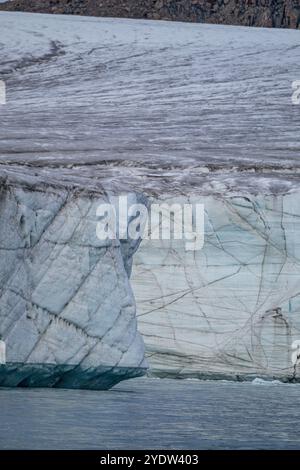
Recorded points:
(151,413)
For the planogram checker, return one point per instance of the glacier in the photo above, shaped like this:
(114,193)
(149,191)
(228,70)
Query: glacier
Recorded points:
(161,112)
(66,302)
(230,310)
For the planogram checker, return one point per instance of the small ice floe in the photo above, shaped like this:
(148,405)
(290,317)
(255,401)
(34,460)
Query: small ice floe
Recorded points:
(258,381)
(2,352)
(2,91)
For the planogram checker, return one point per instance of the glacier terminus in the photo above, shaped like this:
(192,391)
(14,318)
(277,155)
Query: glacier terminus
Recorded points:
(161,113)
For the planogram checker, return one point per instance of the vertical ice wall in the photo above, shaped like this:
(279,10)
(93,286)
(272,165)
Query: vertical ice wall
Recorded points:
(233,308)
(65,295)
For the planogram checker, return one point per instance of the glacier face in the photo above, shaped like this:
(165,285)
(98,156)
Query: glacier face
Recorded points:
(97,108)
(232,308)
(65,298)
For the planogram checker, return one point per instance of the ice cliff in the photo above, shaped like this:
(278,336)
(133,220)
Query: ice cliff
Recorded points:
(98,108)
(230,310)
(66,303)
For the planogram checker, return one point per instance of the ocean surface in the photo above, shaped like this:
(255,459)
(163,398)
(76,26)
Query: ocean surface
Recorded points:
(149,413)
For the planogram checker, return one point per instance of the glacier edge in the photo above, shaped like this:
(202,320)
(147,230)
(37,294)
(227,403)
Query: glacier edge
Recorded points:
(67,312)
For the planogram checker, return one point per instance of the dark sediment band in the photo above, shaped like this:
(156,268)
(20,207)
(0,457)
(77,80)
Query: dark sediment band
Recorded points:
(65,376)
